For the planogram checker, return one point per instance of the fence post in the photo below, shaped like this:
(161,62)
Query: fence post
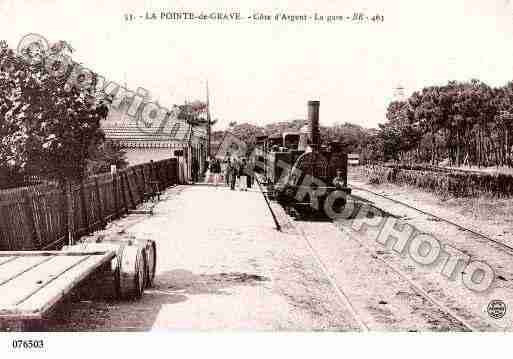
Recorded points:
(123,191)
(174,170)
(346,169)
(70,225)
(171,174)
(4,239)
(162,177)
(100,201)
(138,184)
(144,181)
(129,191)
(168,173)
(152,176)
(163,173)
(33,227)
(115,195)
(159,173)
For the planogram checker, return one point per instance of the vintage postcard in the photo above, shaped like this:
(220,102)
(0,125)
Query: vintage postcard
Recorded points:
(266,166)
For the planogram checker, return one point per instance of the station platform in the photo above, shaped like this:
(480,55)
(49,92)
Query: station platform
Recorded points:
(221,265)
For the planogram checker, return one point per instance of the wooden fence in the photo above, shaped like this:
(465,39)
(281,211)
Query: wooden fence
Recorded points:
(35,218)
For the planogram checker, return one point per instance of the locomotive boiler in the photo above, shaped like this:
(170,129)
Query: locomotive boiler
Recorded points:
(300,171)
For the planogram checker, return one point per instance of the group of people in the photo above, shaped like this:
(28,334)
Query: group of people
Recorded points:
(235,172)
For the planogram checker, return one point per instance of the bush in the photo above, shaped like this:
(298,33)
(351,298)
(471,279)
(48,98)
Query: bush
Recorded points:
(378,174)
(443,181)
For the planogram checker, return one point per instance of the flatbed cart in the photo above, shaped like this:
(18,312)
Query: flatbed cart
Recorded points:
(33,283)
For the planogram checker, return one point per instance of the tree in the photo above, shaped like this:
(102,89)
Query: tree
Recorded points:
(390,137)
(461,122)
(12,134)
(48,128)
(103,156)
(352,137)
(193,112)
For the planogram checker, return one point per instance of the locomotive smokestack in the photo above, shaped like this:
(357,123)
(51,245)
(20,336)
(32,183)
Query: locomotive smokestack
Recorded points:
(313,122)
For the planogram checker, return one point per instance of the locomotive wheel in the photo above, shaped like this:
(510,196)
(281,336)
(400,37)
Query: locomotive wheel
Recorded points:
(339,204)
(133,272)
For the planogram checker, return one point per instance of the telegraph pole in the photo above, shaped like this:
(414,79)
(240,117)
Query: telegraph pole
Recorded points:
(399,93)
(208,122)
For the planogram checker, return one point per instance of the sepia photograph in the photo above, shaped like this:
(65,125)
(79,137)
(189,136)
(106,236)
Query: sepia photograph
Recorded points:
(328,169)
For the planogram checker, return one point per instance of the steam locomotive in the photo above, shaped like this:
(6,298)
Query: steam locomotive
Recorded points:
(295,160)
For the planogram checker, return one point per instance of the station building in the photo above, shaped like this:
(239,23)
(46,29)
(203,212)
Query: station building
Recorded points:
(171,139)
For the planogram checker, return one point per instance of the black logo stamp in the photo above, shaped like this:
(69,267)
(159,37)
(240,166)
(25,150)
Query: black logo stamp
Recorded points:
(496,309)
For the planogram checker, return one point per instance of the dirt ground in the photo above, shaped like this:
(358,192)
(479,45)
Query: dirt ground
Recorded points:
(494,222)
(222,265)
(487,215)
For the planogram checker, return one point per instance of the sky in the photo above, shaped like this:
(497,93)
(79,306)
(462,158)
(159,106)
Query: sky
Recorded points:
(263,72)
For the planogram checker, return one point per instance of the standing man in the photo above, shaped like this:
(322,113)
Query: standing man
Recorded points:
(216,170)
(227,166)
(195,169)
(242,176)
(206,171)
(233,173)
(249,174)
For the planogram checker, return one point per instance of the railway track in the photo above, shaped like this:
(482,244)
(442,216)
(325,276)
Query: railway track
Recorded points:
(507,248)
(456,320)
(458,323)
(342,296)
(464,323)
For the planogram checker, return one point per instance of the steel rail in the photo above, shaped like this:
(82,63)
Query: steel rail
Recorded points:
(499,243)
(414,285)
(343,298)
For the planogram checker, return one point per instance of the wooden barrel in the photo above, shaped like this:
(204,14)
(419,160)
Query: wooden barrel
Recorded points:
(104,283)
(150,248)
(133,272)
(127,275)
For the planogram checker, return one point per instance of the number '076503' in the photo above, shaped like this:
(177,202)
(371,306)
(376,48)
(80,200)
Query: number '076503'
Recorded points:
(27,344)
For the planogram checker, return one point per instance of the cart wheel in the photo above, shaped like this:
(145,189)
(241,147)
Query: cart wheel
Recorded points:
(133,272)
(151,262)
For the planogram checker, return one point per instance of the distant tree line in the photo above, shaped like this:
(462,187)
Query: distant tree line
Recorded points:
(460,123)
(353,138)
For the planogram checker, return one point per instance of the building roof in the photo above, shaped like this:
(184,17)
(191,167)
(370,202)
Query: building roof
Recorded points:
(130,132)
(136,132)
(276,135)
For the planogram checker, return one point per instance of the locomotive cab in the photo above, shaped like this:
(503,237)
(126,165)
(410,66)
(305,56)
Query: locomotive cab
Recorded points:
(291,140)
(310,176)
